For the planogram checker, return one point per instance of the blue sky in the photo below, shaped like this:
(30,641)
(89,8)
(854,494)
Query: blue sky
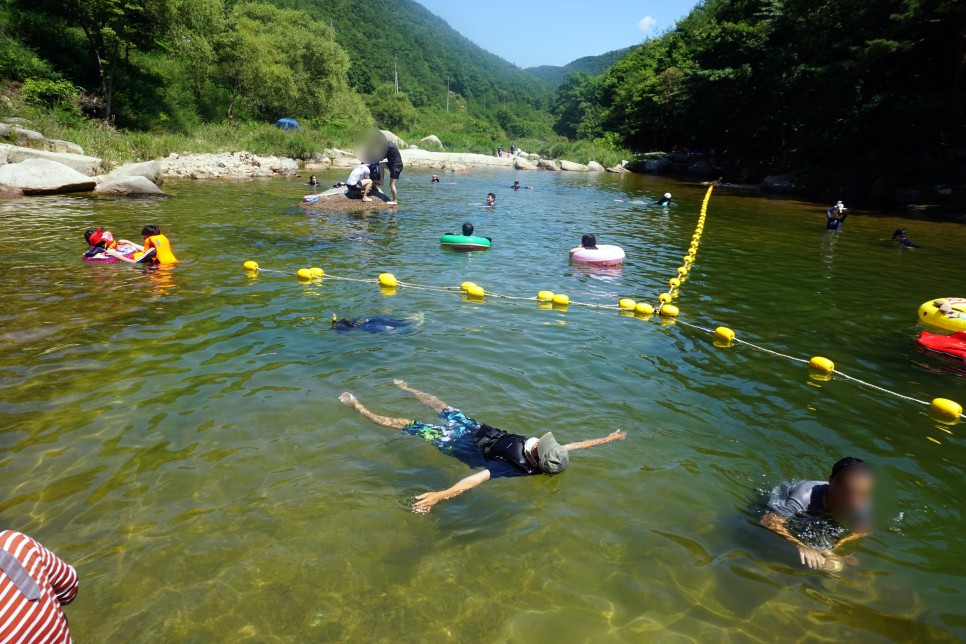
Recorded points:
(554,32)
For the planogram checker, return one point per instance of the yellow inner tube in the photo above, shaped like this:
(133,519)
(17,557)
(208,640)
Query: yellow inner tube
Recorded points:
(947,313)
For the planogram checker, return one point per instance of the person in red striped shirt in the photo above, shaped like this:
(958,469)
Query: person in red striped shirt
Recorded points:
(34,586)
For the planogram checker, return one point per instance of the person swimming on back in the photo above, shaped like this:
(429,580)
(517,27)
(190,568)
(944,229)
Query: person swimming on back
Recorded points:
(665,200)
(588,241)
(836,216)
(844,498)
(900,236)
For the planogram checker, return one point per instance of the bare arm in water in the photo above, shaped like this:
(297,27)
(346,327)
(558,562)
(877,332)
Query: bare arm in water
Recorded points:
(811,557)
(617,435)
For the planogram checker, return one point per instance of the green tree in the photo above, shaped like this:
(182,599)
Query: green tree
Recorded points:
(392,110)
(112,28)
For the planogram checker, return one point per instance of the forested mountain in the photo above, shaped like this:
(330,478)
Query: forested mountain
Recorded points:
(592,65)
(856,97)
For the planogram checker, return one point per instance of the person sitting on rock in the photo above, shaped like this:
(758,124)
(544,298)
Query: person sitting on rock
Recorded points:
(359,183)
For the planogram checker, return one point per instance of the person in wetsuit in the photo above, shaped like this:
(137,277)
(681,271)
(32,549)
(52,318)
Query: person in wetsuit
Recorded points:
(845,498)
(836,216)
(899,236)
(496,453)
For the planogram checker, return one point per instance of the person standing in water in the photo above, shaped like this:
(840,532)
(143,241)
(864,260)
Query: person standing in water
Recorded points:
(496,453)
(845,499)
(490,199)
(395,162)
(835,216)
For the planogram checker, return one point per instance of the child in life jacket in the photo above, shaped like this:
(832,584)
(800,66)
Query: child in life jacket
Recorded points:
(156,249)
(99,241)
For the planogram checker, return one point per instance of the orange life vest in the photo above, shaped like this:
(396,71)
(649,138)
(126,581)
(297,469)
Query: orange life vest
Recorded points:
(162,246)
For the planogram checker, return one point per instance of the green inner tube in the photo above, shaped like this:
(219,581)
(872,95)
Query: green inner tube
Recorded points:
(463,240)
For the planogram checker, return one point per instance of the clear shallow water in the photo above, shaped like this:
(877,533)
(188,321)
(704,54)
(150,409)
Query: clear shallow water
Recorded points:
(176,434)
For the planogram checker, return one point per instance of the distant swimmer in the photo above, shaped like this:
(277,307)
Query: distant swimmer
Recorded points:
(516,186)
(665,200)
(496,453)
(313,180)
(844,502)
(490,199)
(836,216)
(435,179)
(899,236)
(376,324)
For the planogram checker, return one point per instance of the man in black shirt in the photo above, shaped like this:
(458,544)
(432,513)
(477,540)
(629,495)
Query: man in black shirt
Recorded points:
(479,445)
(394,159)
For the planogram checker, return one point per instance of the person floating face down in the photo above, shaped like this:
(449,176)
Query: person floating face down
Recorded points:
(899,236)
(835,216)
(665,200)
(588,241)
(490,199)
(359,183)
(846,497)
(496,453)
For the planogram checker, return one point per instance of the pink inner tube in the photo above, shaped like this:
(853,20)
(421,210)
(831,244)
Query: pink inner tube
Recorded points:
(603,255)
(127,251)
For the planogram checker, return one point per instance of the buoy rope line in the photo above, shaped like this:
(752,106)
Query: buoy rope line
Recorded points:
(725,336)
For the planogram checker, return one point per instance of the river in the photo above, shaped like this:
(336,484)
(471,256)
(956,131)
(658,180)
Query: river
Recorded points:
(176,434)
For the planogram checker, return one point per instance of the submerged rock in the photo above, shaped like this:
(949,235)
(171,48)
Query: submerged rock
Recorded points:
(42,176)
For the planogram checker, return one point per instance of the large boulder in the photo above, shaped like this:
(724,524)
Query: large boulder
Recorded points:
(150,170)
(570,166)
(431,142)
(135,186)
(44,177)
(91,166)
(56,145)
(344,162)
(548,164)
(336,153)
(456,167)
(593,166)
(619,169)
(7,192)
(28,138)
(392,138)
(522,164)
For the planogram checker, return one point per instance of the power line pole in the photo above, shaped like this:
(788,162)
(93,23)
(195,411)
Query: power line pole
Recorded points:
(447,93)
(395,67)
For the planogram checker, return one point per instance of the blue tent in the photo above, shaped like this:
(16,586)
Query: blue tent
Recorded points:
(288,124)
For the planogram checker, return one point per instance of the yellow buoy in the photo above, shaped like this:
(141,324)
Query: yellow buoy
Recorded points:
(643,308)
(250,265)
(682,270)
(304,274)
(387,280)
(946,408)
(664,298)
(465,286)
(317,272)
(724,334)
(674,282)
(627,303)
(560,298)
(475,291)
(545,296)
(689,259)
(822,364)
(669,310)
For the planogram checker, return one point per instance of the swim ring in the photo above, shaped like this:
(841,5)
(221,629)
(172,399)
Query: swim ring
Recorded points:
(947,313)
(952,345)
(126,250)
(603,255)
(464,242)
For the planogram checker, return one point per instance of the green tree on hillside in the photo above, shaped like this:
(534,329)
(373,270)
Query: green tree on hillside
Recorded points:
(112,28)
(392,110)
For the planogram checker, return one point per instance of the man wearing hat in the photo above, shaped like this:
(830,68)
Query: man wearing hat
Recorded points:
(499,453)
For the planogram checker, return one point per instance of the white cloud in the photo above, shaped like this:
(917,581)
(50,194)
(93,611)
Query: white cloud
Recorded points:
(647,24)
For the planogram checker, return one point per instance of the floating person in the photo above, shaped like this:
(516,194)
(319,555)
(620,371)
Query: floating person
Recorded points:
(313,180)
(375,324)
(664,200)
(99,241)
(590,253)
(490,199)
(103,248)
(899,236)
(516,185)
(844,501)
(835,216)
(155,251)
(497,453)
(359,183)
(34,588)
(434,179)
(465,242)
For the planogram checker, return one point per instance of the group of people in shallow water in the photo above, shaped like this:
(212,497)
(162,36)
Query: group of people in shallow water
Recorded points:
(844,498)
(836,215)
(155,250)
